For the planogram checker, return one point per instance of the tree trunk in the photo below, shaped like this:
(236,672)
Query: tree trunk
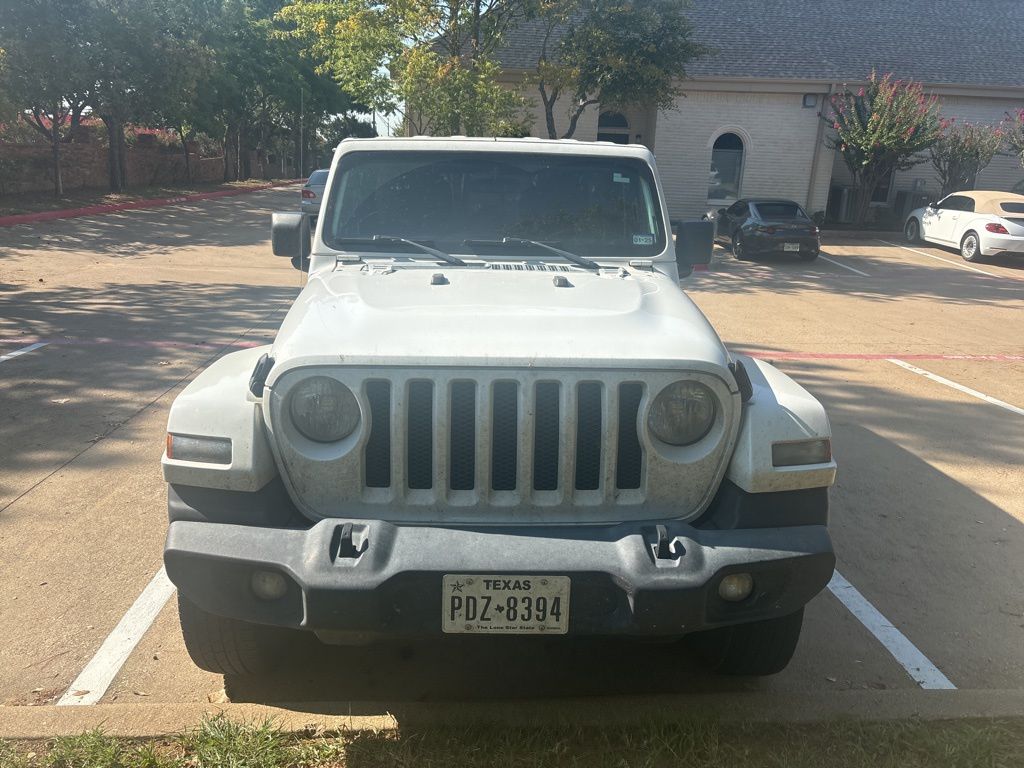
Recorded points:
(549,109)
(58,181)
(575,118)
(865,188)
(116,171)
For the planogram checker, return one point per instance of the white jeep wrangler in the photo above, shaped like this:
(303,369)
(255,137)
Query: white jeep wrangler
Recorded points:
(492,410)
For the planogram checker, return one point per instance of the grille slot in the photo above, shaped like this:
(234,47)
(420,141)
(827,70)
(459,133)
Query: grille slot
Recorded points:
(504,435)
(419,437)
(569,441)
(630,465)
(588,436)
(378,447)
(462,444)
(545,438)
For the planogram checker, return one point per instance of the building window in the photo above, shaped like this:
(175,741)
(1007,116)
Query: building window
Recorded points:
(810,100)
(611,126)
(881,193)
(726,167)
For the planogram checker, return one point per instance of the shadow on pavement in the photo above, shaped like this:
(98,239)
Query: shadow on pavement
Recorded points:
(480,669)
(230,221)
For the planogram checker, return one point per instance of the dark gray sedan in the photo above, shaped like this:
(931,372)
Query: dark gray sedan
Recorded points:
(762,226)
(313,192)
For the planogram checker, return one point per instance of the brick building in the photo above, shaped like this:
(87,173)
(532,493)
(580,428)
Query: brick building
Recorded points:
(748,124)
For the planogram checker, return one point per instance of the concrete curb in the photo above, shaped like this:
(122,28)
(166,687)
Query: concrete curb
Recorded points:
(160,720)
(155,202)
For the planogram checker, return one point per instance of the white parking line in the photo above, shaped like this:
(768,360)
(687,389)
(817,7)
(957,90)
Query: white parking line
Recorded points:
(958,387)
(939,258)
(895,642)
(22,351)
(99,673)
(823,257)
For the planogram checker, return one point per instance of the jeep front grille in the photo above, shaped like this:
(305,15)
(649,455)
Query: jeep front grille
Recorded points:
(503,440)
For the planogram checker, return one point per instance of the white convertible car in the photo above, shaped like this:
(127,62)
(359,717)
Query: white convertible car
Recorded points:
(978,223)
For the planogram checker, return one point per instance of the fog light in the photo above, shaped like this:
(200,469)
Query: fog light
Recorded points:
(736,587)
(269,585)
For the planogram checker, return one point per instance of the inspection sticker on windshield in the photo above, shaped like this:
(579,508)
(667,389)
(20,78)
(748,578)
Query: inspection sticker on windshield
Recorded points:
(643,239)
(618,178)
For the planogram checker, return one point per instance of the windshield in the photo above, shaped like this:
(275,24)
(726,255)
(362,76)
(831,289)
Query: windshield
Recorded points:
(780,211)
(591,206)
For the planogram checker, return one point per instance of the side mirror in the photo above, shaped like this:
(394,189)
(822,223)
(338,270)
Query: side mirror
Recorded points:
(695,240)
(933,204)
(290,235)
(722,211)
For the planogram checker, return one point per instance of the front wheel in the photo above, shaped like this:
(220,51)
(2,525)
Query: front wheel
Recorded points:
(970,248)
(912,231)
(756,649)
(739,247)
(228,646)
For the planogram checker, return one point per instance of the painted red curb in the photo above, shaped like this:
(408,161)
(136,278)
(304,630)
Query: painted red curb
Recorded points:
(156,202)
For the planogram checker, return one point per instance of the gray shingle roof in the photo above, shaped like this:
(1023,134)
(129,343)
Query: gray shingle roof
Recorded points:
(962,42)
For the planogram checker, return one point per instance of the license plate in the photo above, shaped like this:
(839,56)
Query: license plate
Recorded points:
(791,246)
(505,605)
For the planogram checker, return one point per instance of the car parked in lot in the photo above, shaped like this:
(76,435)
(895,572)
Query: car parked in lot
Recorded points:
(493,411)
(978,223)
(761,226)
(312,195)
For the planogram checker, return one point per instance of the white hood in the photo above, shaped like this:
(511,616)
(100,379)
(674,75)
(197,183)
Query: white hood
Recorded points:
(358,315)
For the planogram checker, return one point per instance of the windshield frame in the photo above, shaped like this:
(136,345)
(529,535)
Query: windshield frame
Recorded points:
(653,195)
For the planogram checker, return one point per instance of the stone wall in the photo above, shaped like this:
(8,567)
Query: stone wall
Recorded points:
(28,167)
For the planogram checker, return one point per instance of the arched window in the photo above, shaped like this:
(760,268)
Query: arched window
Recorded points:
(726,167)
(611,126)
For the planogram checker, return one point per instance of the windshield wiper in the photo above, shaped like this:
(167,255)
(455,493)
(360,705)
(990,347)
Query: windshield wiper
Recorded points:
(521,242)
(392,240)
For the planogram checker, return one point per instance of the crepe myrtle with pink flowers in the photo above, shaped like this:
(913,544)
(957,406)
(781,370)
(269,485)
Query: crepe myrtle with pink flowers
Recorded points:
(1013,132)
(882,127)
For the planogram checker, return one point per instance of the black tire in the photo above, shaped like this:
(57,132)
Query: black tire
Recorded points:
(970,247)
(912,231)
(739,249)
(756,649)
(228,646)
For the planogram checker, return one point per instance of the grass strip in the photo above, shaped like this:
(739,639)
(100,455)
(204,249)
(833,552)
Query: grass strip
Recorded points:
(219,742)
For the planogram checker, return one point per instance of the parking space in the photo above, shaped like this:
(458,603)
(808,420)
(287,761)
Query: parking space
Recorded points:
(927,513)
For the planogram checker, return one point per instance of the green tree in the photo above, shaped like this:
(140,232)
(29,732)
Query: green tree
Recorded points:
(615,53)
(962,152)
(146,61)
(45,74)
(881,128)
(1013,131)
(431,62)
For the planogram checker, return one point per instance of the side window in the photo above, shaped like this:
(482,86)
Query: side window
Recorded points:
(957,203)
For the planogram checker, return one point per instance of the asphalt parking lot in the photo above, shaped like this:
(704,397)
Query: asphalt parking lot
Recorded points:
(918,357)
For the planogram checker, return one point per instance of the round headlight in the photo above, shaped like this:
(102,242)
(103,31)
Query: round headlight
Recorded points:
(682,413)
(323,409)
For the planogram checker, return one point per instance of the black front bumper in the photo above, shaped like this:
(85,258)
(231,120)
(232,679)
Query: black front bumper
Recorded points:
(370,577)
